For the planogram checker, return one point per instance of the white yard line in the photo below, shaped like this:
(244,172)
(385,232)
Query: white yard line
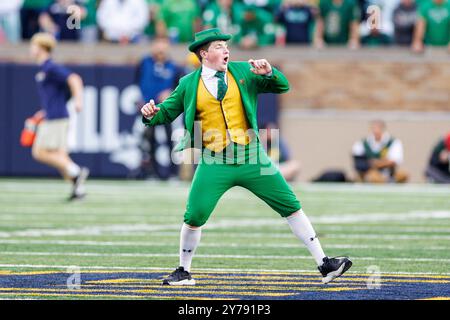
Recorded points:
(238,223)
(207,244)
(208,256)
(159,187)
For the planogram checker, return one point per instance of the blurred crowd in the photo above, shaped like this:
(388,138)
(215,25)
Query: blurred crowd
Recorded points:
(254,23)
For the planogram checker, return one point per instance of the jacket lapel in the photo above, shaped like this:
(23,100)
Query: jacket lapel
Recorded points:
(190,99)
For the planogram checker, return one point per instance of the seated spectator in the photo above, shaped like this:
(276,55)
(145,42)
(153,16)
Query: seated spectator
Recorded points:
(54,20)
(377,157)
(433,25)
(257,28)
(122,21)
(179,20)
(297,17)
(404,19)
(29,16)
(338,23)
(278,152)
(10,19)
(438,170)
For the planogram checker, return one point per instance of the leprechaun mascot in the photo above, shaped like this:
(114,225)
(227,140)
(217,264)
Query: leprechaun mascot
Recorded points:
(219,101)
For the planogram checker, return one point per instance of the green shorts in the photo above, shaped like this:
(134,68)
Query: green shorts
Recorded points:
(262,177)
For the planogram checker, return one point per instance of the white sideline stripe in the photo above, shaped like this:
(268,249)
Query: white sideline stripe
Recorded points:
(209,256)
(65,267)
(212,245)
(227,223)
(100,187)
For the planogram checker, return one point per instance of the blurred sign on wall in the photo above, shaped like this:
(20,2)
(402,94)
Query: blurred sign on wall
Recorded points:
(106,136)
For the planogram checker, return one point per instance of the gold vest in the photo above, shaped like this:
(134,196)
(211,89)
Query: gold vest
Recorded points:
(215,122)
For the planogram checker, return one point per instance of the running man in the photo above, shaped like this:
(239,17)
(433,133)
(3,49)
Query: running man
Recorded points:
(56,84)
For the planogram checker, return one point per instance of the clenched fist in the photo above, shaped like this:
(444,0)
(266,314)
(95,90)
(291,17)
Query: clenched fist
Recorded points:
(260,67)
(149,109)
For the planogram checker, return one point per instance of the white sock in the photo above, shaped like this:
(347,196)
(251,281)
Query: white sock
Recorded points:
(73,170)
(189,240)
(304,231)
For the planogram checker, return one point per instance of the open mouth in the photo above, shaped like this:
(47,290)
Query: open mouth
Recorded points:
(225,60)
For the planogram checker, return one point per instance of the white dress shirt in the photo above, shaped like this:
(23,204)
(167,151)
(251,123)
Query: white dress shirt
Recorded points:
(210,80)
(395,151)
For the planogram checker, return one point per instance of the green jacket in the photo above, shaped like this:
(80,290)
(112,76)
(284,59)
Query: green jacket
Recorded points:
(184,98)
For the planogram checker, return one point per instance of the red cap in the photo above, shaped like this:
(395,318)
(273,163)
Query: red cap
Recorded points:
(447,141)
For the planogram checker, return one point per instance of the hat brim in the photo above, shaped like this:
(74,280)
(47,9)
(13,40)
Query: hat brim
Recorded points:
(196,44)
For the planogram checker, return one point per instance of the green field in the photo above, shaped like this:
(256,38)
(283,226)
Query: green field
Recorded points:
(133,226)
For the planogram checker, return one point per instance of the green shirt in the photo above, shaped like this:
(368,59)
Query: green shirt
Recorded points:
(179,17)
(36,4)
(91,7)
(261,26)
(337,20)
(437,19)
(155,5)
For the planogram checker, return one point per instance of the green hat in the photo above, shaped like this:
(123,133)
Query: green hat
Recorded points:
(206,36)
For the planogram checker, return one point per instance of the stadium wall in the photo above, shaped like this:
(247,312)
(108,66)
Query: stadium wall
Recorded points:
(335,92)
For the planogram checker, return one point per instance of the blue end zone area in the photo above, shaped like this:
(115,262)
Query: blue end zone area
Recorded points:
(220,285)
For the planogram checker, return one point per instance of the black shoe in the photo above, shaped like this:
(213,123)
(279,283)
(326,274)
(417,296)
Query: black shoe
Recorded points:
(75,197)
(179,277)
(333,268)
(78,183)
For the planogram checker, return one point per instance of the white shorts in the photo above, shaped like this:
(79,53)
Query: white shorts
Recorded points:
(52,134)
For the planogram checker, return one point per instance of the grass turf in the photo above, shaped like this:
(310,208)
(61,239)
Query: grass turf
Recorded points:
(133,225)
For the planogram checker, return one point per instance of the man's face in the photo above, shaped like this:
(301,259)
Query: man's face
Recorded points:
(217,55)
(377,130)
(160,49)
(34,51)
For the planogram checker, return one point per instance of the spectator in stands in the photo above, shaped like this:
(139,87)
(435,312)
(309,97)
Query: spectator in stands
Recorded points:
(123,21)
(338,23)
(153,10)
(256,28)
(383,18)
(378,156)
(29,16)
(297,17)
(433,25)
(10,19)
(438,170)
(89,30)
(278,151)
(179,20)
(404,19)
(157,75)
(61,18)
(223,14)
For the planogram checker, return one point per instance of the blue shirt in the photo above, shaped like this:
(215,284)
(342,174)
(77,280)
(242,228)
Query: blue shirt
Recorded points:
(60,17)
(153,78)
(53,89)
(298,22)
